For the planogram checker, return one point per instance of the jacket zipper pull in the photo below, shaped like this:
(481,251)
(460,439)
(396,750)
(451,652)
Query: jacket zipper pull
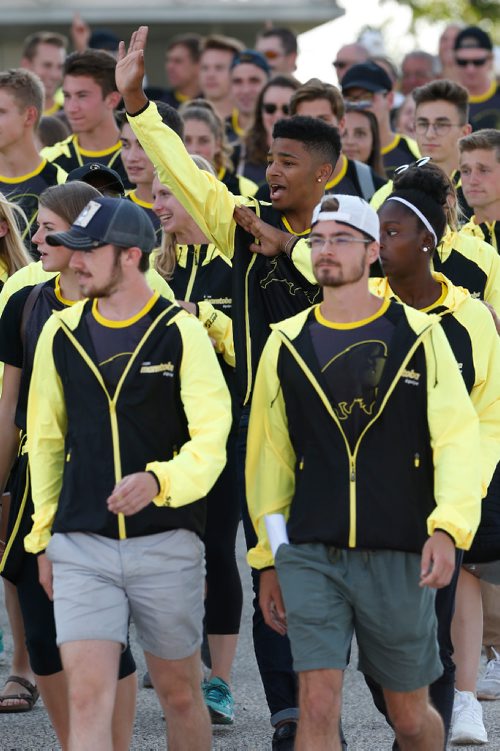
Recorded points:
(301,463)
(416,461)
(353,473)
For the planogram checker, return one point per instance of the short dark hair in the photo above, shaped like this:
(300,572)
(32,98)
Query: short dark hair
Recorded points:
(31,43)
(96,64)
(487,139)
(315,134)
(223,43)
(144,261)
(287,37)
(25,88)
(447,91)
(168,114)
(192,42)
(315,89)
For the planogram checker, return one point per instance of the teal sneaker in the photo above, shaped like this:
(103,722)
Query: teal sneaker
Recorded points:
(219,700)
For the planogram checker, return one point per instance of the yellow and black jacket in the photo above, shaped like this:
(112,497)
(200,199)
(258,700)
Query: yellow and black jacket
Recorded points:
(473,337)
(265,290)
(170,414)
(69,155)
(414,468)
(487,231)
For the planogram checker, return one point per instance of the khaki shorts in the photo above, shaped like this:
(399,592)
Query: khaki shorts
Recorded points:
(158,580)
(330,594)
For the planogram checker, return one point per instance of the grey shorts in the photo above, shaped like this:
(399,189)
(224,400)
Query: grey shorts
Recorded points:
(330,594)
(157,579)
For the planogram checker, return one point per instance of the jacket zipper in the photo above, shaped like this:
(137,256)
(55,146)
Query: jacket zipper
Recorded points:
(351,455)
(192,276)
(115,433)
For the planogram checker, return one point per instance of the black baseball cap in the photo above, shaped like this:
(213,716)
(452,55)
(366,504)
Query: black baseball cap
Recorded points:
(368,76)
(100,176)
(473,38)
(108,221)
(251,57)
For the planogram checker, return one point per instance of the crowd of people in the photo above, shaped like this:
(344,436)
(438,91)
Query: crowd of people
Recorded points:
(250,298)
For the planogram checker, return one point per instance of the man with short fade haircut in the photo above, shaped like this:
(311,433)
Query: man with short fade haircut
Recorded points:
(24,173)
(250,72)
(418,68)
(90,101)
(475,67)
(44,53)
(128,416)
(302,157)
(345,391)
(480,171)
(279,46)
(217,55)
(349,55)
(182,67)
(368,86)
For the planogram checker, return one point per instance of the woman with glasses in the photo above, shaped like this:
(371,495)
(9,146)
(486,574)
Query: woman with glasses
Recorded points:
(272,105)
(204,135)
(412,222)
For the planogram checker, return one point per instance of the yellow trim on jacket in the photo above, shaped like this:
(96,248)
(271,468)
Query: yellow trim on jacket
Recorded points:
(453,425)
(184,479)
(485,393)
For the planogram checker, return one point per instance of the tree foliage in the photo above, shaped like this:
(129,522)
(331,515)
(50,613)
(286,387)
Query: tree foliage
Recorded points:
(484,13)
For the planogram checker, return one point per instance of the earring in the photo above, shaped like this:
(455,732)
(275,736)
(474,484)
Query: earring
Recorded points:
(318,180)
(425,249)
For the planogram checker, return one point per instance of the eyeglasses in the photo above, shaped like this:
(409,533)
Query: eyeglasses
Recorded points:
(477,62)
(419,163)
(270,108)
(334,241)
(440,127)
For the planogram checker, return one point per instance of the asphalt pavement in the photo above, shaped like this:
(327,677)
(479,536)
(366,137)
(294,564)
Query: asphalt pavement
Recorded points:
(364,727)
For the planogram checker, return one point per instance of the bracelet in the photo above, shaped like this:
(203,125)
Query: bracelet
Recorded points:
(285,248)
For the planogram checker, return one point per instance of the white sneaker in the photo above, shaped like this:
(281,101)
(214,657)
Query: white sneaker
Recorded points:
(488,687)
(467,722)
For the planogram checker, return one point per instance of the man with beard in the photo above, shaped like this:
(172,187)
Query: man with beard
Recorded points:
(355,410)
(129,416)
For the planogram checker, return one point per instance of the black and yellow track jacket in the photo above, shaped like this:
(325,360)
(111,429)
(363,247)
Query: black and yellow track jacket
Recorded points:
(414,468)
(473,337)
(170,414)
(487,231)
(265,290)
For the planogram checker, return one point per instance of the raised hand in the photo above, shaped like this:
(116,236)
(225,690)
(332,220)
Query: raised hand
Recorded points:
(272,241)
(130,70)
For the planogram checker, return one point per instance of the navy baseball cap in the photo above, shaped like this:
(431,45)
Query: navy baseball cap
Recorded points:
(100,176)
(252,57)
(108,221)
(368,76)
(473,38)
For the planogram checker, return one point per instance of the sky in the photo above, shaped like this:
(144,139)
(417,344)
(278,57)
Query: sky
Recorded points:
(318,47)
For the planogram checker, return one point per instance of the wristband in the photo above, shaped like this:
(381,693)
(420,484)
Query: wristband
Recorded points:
(286,249)
(139,112)
(150,472)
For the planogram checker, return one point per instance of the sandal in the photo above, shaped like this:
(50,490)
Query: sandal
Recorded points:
(30,696)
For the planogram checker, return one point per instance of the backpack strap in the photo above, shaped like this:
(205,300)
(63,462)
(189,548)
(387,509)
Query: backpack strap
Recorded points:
(28,309)
(365,179)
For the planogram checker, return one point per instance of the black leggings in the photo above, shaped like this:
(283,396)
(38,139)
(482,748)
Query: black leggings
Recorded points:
(224,598)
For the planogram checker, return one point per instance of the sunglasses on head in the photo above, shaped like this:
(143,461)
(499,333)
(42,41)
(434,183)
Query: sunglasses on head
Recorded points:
(419,163)
(270,108)
(477,62)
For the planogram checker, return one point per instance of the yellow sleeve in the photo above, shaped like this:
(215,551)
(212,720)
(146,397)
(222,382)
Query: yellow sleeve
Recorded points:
(220,327)
(485,393)
(158,283)
(492,289)
(270,462)
(47,423)
(206,198)
(455,441)
(192,473)
(247,187)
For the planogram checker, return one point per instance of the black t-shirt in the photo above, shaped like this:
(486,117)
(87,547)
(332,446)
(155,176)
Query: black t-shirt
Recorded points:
(352,359)
(18,353)
(485,112)
(115,341)
(69,155)
(401,151)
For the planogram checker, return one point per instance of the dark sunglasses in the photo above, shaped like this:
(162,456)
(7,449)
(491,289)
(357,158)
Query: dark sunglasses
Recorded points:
(271,54)
(270,108)
(478,62)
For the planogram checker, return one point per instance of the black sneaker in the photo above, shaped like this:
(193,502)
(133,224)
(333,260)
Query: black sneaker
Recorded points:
(284,736)
(146,681)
